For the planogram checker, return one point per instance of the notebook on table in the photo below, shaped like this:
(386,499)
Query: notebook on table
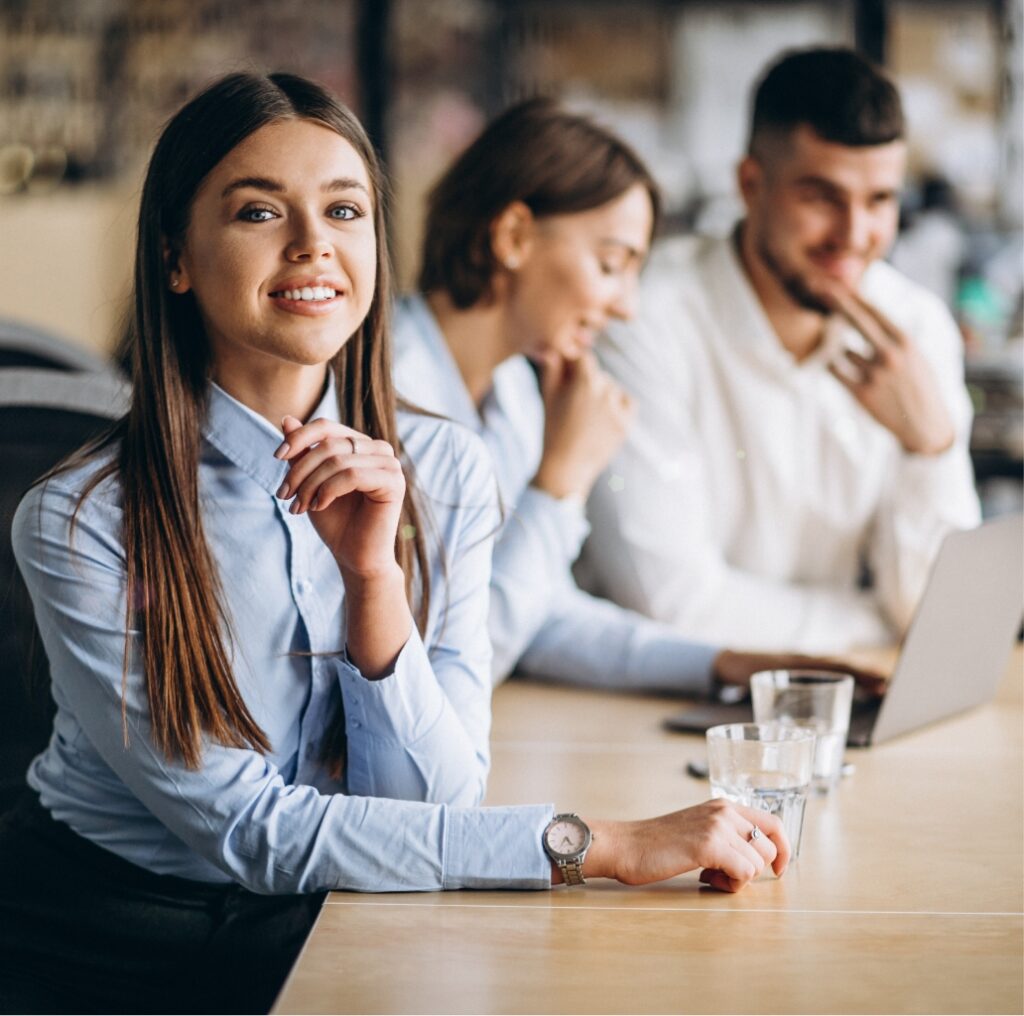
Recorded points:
(955,651)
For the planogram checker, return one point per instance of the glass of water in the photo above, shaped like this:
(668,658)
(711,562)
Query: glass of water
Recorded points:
(766,766)
(807,698)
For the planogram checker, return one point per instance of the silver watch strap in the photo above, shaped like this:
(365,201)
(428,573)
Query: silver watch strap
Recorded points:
(572,872)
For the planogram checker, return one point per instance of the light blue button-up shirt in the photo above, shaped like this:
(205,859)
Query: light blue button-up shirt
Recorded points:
(541,622)
(405,815)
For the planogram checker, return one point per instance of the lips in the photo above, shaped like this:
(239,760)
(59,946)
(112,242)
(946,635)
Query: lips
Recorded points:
(308,295)
(297,285)
(840,266)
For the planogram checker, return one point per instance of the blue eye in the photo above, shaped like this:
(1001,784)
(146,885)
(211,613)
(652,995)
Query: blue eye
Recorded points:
(344,212)
(254,213)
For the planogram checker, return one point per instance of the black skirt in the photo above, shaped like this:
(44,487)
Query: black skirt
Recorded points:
(83,931)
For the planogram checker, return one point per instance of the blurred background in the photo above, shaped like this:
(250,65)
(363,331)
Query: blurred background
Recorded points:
(85,86)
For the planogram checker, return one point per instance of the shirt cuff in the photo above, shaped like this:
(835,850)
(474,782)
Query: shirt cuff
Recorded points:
(568,514)
(496,848)
(923,472)
(935,493)
(402,706)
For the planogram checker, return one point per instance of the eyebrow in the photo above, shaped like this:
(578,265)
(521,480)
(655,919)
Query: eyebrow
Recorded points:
(611,241)
(275,186)
(810,180)
(822,183)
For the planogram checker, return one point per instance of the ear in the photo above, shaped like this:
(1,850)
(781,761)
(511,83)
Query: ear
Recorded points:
(750,178)
(512,234)
(177,273)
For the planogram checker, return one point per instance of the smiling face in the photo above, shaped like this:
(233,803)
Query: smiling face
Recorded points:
(818,213)
(280,251)
(577,271)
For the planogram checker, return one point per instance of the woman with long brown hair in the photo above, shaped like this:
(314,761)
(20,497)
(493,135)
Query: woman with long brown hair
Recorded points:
(267,643)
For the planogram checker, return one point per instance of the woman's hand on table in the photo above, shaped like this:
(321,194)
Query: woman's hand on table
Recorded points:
(713,836)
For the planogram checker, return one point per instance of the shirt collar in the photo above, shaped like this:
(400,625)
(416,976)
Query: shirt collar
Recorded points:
(745,322)
(737,304)
(248,440)
(459,406)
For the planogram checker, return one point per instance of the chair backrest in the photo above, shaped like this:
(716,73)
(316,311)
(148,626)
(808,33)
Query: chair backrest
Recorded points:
(44,416)
(23,345)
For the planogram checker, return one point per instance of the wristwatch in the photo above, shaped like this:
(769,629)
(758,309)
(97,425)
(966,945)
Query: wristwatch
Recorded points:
(566,840)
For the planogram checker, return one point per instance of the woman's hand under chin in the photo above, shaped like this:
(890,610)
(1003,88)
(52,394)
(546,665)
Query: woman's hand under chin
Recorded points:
(587,416)
(353,488)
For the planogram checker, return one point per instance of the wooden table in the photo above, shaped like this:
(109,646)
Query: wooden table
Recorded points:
(907,897)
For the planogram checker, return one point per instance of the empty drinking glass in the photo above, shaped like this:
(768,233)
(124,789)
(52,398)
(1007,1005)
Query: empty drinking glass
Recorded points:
(807,698)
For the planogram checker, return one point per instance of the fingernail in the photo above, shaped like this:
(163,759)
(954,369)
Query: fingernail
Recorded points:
(282,491)
(313,504)
(282,451)
(294,509)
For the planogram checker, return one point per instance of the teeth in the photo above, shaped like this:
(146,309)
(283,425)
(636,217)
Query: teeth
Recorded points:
(310,293)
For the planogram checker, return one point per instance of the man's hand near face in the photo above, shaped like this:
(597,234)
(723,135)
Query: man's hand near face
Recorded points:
(895,384)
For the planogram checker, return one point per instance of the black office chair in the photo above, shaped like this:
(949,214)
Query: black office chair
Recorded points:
(23,345)
(44,416)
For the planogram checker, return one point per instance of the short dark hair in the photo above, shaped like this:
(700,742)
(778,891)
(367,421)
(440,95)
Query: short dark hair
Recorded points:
(842,96)
(554,161)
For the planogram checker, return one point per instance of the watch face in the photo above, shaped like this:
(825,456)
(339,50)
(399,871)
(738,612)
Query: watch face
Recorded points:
(566,836)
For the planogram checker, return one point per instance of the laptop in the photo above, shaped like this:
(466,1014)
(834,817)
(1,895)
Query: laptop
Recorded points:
(955,651)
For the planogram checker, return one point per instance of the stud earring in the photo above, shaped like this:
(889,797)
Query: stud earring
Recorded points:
(175,282)
(511,263)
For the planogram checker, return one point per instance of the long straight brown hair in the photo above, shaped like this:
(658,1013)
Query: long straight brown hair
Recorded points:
(174,596)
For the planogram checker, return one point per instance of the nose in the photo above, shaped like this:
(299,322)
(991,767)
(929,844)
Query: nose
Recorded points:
(856,227)
(307,244)
(623,305)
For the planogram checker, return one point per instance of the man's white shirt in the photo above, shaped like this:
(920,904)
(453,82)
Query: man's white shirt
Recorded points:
(754,491)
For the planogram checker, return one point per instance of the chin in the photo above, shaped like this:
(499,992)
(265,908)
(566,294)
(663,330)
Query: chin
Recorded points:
(323,345)
(311,354)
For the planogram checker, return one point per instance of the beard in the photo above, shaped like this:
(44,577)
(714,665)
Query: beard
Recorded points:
(793,282)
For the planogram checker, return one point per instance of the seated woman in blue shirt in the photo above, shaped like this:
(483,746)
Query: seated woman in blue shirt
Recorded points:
(534,240)
(269,682)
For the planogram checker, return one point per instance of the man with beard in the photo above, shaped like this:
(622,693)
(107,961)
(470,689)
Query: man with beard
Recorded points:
(801,442)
